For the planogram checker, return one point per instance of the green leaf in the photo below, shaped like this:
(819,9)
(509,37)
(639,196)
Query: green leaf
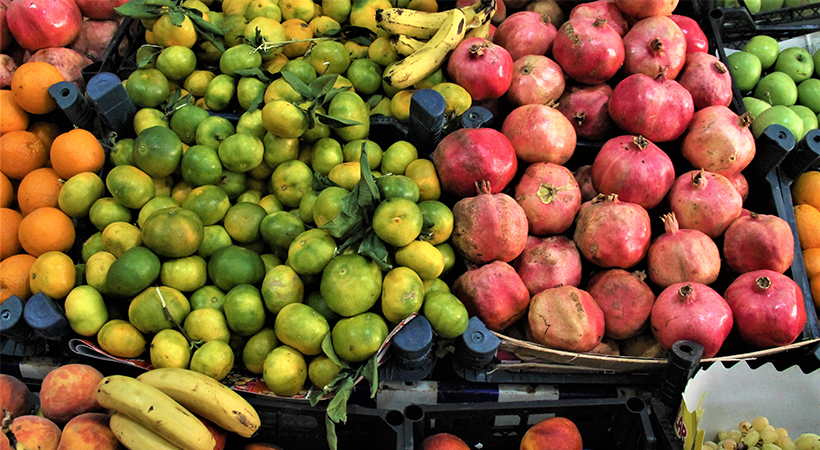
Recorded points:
(369,196)
(138,9)
(196,17)
(335,122)
(315,397)
(167,3)
(255,72)
(374,100)
(332,440)
(323,84)
(370,372)
(374,248)
(260,98)
(337,407)
(359,35)
(146,55)
(327,349)
(176,17)
(298,85)
(348,221)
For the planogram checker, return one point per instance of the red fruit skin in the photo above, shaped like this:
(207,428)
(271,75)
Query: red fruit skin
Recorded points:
(605,9)
(583,175)
(482,68)
(758,241)
(469,155)
(696,40)
(565,318)
(99,9)
(550,197)
(535,79)
(443,441)
(540,133)
(554,433)
(589,50)
(691,311)
(658,109)
(741,184)
(707,79)
(652,44)
(15,396)
(704,201)
(768,308)
(625,299)
(634,168)
(67,61)
(525,33)
(94,37)
(719,141)
(37,24)
(586,107)
(612,233)
(549,262)
(679,256)
(494,293)
(640,9)
(5,34)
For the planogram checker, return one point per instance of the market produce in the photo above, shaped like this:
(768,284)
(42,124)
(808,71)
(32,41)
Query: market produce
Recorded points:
(705,201)
(759,433)
(604,9)
(550,197)
(68,391)
(535,79)
(589,50)
(653,43)
(494,292)
(612,233)
(17,399)
(89,430)
(548,262)
(758,241)
(525,33)
(719,141)
(586,108)
(540,133)
(557,433)
(623,320)
(565,318)
(680,255)
(707,79)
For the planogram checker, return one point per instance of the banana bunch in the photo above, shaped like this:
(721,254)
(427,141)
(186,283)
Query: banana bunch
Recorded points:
(426,39)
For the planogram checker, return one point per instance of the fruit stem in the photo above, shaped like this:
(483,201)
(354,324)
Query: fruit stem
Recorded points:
(640,141)
(656,46)
(763,283)
(670,223)
(745,120)
(687,293)
(478,49)
(699,179)
(483,187)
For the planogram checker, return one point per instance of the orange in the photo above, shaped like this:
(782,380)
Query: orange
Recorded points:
(75,152)
(814,284)
(44,230)
(12,116)
(14,272)
(41,187)
(807,219)
(299,30)
(167,34)
(6,191)
(806,189)
(20,153)
(9,226)
(52,273)
(30,85)
(46,131)
(811,259)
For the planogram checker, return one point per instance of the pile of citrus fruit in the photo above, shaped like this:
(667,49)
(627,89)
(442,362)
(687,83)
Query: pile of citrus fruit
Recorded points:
(806,197)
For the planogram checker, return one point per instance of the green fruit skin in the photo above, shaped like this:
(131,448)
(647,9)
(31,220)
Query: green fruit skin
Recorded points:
(132,272)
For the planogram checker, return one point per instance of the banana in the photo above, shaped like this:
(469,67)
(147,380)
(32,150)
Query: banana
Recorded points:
(155,410)
(424,25)
(405,45)
(204,396)
(428,59)
(482,31)
(135,436)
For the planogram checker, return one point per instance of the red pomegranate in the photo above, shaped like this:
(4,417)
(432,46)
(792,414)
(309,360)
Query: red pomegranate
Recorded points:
(719,141)
(99,9)
(635,169)
(704,201)
(696,40)
(489,227)
(589,50)
(654,43)
(741,184)
(707,79)
(657,108)
(482,68)
(37,24)
(494,293)
(550,197)
(469,155)
(540,133)
(5,33)
(525,33)
(768,308)
(604,9)
(691,311)
(625,299)
(583,175)
(640,9)
(549,262)
(677,256)
(612,233)
(565,318)
(758,241)
(586,107)
(535,79)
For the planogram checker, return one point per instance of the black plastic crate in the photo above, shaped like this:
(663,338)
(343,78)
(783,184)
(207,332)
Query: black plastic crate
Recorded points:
(617,423)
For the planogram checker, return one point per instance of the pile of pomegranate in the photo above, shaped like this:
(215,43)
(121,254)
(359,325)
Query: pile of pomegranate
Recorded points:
(640,243)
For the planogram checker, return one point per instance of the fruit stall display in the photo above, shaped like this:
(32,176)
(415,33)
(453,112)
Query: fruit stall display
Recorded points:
(244,224)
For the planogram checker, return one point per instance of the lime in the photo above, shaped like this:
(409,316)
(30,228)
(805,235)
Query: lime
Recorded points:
(207,324)
(281,287)
(244,309)
(301,327)
(214,358)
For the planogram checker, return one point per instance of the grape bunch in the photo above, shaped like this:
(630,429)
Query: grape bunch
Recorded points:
(759,434)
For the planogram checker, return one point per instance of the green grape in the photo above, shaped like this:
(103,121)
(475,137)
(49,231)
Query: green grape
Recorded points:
(721,435)
(786,443)
(770,447)
(751,438)
(711,445)
(769,436)
(782,432)
(760,423)
(744,426)
(734,435)
(807,441)
(729,444)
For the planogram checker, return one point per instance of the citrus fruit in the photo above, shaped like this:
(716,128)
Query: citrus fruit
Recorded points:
(29,86)
(328,205)
(117,237)
(144,119)
(446,313)
(21,152)
(85,310)
(79,192)
(449,255)
(397,186)
(329,57)
(14,276)
(167,34)
(279,150)
(152,205)
(290,180)
(279,229)
(366,75)
(241,152)
(149,310)
(214,358)
(107,210)
(257,348)
(177,62)
(52,273)
(197,82)
(423,172)
(40,187)
(357,338)
(281,286)
(92,244)
(185,274)
(397,221)
(132,272)
(96,270)
(263,8)
(242,222)
(12,116)
(397,157)
(285,371)
(349,106)
(311,251)
(284,119)
(301,327)
(352,151)
(250,90)
(346,175)
(157,151)
(265,29)
(298,9)
(6,191)
(122,339)
(209,202)
(456,99)
(322,370)
(200,165)
(239,57)
(438,221)
(46,229)
(306,206)
(213,130)
(421,256)
(148,88)
(806,189)
(207,324)
(402,294)
(9,228)
(807,219)
(170,348)
(173,232)
(351,284)
(327,153)
(244,309)
(435,284)
(233,265)
(214,238)
(811,258)
(208,296)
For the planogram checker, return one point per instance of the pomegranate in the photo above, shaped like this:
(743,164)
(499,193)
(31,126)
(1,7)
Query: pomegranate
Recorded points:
(494,293)
(540,133)
(704,201)
(625,299)
(525,33)
(707,79)
(635,169)
(489,227)
(565,318)
(94,37)
(549,262)
(657,108)
(719,141)
(37,24)
(535,79)
(583,175)
(653,43)
(468,155)
(99,9)
(5,33)
(7,68)
(740,183)
(758,241)
(589,50)
(612,233)
(549,8)
(691,311)
(67,61)
(482,68)
(640,9)
(696,40)
(643,345)
(768,308)
(586,107)
(604,9)
(677,256)
(550,197)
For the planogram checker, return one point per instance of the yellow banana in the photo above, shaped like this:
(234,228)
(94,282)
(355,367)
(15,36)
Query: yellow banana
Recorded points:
(135,436)
(204,396)
(482,31)
(155,410)
(424,25)
(405,45)
(428,59)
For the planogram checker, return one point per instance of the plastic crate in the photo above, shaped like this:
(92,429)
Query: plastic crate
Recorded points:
(617,423)
(121,54)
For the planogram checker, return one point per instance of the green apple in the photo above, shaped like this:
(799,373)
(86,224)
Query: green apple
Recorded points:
(752,5)
(745,69)
(778,115)
(816,58)
(793,3)
(764,47)
(770,5)
(807,116)
(776,88)
(755,106)
(808,94)
(795,62)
